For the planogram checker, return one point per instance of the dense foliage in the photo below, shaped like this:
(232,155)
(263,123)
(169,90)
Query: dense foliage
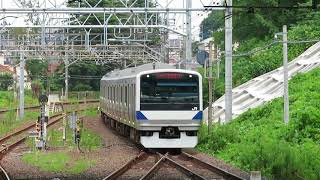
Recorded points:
(7,99)
(254,23)
(85,76)
(259,140)
(36,68)
(267,59)
(6,81)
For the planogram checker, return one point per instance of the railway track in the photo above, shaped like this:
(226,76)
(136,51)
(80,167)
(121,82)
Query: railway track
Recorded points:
(190,166)
(37,107)
(3,174)
(15,138)
(11,140)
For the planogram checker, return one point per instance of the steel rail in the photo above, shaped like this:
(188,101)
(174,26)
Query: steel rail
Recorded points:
(155,167)
(185,170)
(218,170)
(21,130)
(53,119)
(126,166)
(64,103)
(3,174)
(8,148)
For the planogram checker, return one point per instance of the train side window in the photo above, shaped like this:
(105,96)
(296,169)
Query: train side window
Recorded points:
(120,94)
(110,95)
(117,94)
(108,92)
(133,97)
(129,102)
(114,94)
(125,95)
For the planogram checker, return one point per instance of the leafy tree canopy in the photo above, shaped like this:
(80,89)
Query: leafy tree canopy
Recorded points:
(6,81)
(254,23)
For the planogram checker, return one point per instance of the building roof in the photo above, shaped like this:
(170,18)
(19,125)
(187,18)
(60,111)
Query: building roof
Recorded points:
(5,69)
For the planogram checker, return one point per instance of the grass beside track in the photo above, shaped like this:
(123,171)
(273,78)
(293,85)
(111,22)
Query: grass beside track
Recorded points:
(66,161)
(92,112)
(7,100)
(9,120)
(260,140)
(57,162)
(89,140)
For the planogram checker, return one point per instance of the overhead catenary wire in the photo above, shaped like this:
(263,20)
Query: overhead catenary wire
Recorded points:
(271,44)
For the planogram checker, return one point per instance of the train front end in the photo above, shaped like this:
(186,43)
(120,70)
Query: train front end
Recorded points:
(169,108)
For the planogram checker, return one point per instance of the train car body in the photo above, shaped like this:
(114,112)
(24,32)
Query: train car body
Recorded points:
(154,104)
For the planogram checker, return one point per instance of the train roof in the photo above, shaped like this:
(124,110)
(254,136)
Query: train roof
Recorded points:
(135,70)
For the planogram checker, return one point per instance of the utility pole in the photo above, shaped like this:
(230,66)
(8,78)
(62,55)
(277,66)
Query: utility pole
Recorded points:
(228,61)
(210,88)
(66,62)
(215,59)
(21,87)
(66,81)
(188,49)
(285,75)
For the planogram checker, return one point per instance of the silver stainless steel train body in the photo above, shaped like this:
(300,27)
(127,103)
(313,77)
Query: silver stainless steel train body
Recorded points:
(163,104)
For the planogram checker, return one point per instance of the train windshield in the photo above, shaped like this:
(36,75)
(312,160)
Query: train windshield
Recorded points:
(169,91)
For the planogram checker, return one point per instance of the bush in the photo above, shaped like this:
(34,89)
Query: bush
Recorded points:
(82,87)
(6,81)
(259,139)
(253,65)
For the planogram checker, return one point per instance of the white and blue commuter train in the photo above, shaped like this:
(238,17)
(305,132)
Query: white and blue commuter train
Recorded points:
(155,105)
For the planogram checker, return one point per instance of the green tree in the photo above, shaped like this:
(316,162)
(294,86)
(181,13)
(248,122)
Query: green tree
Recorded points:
(6,81)
(254,23)
(84,76)
(36,68)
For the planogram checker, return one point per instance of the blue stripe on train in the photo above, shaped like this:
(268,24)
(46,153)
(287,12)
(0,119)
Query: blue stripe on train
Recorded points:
(198,116)
(140,116)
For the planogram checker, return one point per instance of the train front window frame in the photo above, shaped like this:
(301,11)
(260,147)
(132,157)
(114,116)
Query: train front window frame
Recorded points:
(169,91)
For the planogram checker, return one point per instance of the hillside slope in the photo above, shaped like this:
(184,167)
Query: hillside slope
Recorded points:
(259,140)
(266,87)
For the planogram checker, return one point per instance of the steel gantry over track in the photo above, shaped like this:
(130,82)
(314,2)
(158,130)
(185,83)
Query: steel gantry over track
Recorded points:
(126,32)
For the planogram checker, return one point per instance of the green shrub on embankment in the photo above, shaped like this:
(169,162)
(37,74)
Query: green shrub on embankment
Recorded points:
(255,64)
(259,139)
(7,100)
(9,120)
(57,162)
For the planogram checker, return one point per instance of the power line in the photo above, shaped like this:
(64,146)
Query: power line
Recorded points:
(259,7)
(273,43)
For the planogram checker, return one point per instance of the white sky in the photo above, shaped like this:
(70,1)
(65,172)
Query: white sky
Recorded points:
(197,17)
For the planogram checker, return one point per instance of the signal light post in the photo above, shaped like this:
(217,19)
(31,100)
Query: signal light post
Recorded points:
(41,124)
